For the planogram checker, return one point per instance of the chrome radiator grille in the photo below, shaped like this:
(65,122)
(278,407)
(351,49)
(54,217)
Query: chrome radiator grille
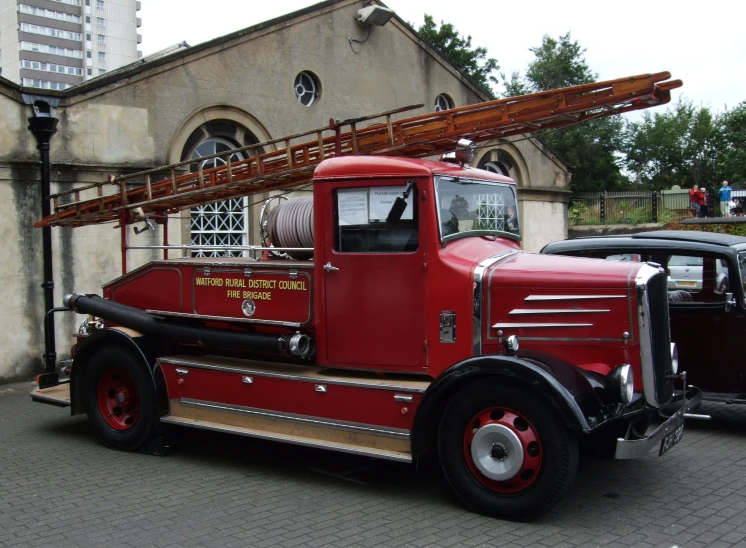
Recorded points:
(660,335)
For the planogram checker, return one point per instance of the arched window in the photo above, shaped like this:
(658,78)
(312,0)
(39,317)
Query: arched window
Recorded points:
(443,102)
(219,223)
(496,167)
(500,162)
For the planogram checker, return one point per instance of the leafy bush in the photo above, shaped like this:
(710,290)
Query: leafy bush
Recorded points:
(734,229)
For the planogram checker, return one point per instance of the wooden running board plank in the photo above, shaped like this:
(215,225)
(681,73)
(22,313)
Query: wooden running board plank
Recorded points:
(289,432)
(55,395)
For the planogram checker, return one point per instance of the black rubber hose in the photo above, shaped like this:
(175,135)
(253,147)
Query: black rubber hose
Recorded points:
(128,316)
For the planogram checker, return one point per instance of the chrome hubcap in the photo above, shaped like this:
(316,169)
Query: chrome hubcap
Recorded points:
(497,452)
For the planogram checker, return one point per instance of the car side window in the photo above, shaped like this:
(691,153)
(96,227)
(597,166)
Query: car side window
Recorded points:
(362,223)
(625,257)
(697,279)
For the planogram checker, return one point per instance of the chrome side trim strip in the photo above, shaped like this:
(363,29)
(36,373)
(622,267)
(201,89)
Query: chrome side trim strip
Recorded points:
(221,318)
(515,325)
(570,297)
(573,339)
(398,433)
(479,271)
(287,376)
(388,455)
(555,311)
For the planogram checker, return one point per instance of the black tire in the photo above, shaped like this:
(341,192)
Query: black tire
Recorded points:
(524,499)
(115,362)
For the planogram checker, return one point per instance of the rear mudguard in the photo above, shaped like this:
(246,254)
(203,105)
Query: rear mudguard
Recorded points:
(142,348)
(563,386)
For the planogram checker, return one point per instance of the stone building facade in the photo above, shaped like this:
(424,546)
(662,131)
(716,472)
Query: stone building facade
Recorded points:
(235,90)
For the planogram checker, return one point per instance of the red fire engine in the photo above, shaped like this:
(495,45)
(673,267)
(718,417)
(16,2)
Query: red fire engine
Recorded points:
(383,316)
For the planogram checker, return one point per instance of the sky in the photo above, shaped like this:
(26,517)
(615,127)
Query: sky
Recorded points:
(701,43)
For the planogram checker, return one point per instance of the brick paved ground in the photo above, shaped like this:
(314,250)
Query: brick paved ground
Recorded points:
(59,487)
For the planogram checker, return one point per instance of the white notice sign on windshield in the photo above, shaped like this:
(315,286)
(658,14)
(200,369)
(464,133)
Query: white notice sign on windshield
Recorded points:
(382,199)
(352,206)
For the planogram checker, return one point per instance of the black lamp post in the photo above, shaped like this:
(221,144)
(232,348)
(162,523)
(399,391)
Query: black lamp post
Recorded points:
(43,126)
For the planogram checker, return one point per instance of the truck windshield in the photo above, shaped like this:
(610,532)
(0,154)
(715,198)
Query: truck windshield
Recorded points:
(467,207)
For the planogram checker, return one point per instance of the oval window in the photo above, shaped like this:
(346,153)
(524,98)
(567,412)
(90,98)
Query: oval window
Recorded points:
(307,88)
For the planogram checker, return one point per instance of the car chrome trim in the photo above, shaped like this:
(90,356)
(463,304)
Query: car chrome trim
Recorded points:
(644,275)
(221,318)
(572,339)
(287,376)
(479,271)
(570,297)
(633,449)
(363,428)
(556,311)
(521,325)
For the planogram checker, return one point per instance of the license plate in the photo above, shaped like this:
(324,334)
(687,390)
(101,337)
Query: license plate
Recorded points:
(671,439)
(686,284)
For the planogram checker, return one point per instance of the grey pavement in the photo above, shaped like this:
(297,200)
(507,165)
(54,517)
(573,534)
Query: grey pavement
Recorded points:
(60,487)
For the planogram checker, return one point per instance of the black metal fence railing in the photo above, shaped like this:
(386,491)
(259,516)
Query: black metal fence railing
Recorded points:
(590,208)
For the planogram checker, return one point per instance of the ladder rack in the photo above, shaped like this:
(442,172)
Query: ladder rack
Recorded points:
(292,165)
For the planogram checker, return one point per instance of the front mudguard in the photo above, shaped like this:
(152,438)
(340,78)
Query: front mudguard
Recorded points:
(561,385)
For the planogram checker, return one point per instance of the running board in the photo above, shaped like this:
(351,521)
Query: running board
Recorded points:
(345,437)
(54,395)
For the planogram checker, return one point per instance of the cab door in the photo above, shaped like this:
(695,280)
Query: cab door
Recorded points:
(709,334)
(374,277)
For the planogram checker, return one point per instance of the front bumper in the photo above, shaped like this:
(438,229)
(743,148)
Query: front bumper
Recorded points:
(633,449)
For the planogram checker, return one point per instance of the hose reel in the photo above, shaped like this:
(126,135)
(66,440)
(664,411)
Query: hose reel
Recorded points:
(288,224)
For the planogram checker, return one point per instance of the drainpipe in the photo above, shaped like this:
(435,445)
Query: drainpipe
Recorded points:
(43,126)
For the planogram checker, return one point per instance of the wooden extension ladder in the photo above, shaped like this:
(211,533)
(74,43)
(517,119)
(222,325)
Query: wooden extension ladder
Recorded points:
(292,165)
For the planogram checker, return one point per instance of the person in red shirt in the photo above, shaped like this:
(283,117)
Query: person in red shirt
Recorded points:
(703,202)
(694,197)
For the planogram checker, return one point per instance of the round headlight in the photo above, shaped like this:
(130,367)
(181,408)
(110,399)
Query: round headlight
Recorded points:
(512,344)
(621,383)
(674,358)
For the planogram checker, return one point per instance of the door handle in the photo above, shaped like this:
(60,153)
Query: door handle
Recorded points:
(328,267)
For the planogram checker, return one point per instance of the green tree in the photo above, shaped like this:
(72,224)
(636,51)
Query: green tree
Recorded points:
(558,64)
(516,86)
(731,155)
(676,147)
(591,148)
(458,49)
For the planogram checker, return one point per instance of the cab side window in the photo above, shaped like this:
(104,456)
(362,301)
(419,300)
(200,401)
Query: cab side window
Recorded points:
(621,256)
(697,279)
(363,223)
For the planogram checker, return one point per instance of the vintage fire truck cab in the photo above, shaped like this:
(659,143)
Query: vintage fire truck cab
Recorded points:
(386,321)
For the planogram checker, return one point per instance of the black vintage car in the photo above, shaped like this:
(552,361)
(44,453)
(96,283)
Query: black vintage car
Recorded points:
(707,299)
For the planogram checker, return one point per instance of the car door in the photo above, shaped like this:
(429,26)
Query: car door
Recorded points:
(709,333)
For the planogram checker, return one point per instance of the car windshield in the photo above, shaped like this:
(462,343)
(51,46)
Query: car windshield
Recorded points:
(467,207)
(742,271)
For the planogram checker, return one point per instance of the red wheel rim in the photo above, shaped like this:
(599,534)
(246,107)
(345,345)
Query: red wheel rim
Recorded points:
(501,443)
(118,399)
